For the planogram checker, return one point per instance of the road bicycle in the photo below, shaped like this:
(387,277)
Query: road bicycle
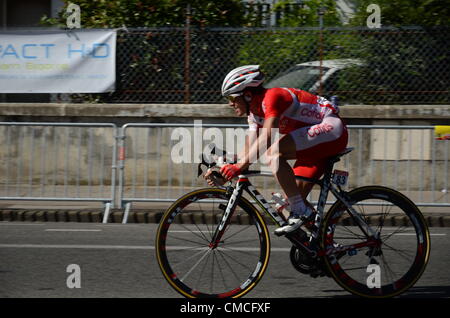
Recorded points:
(214,242)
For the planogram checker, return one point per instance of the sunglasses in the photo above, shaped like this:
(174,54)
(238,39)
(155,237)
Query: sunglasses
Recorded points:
(232,97)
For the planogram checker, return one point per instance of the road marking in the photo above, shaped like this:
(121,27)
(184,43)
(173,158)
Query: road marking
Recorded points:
(127,247)
(71,230)
(74,246)
(20,224)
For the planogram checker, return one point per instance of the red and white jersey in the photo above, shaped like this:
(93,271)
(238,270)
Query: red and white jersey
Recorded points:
(294,107)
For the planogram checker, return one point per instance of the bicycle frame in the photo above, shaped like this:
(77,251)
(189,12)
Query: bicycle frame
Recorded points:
(322,246)
(243,184)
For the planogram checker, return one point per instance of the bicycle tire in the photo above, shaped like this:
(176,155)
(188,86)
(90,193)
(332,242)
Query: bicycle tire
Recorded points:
(186,222)
(410,247)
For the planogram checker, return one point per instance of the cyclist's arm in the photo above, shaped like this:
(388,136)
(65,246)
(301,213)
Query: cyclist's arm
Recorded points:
(256,141)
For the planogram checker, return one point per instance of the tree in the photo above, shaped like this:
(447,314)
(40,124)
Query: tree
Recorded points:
(151,62)
(306,14)
(278,50)
(406,12)
(404,64)
(153,13)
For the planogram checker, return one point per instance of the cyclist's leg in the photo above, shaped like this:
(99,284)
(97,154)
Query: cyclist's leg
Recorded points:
(314,144)
(304,188)
(285,149)
(280,152)
(312,170)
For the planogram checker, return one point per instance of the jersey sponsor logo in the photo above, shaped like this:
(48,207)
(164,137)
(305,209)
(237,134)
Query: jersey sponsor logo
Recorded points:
(284,123)
(319,129)
(305,112)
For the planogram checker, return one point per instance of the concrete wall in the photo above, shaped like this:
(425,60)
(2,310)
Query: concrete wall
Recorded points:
(405,159)
(214,113)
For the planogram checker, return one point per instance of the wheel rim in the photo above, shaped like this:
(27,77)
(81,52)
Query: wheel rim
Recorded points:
(197,268)
(392,261)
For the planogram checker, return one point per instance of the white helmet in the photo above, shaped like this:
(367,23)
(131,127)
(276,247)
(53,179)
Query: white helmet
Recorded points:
(240,78)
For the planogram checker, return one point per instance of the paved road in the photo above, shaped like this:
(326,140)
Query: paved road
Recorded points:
(118,260)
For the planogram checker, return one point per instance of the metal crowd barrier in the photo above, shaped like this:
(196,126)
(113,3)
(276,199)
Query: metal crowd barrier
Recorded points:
(136,162)
(407,158)
(145,151)
(58,162)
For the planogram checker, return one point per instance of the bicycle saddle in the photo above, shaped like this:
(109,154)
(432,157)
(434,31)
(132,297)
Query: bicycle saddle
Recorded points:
(337,157)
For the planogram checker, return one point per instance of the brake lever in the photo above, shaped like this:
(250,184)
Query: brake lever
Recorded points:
(219,153)
(208,165)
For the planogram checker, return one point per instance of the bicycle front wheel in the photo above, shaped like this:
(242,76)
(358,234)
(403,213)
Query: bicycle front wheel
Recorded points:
(384,264)
(196,268)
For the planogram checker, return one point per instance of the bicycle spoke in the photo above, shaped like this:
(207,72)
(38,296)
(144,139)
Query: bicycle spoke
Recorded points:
(386,237)
(202,236)
(196,285)
(201,231)
(403,254)
(383,217)
(345,238)
(343,261)
(239,231)
(202,272)
(246,251)
(234,259)
(229,266)
(388,268)
(397,256)
(212,273)
(187,259)
(196,264)
(220,270)
(210,231)
(360,236)
(362,211)
(187,240)
(201,268)
(238,242)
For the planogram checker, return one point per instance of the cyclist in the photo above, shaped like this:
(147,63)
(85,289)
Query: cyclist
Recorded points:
(311,131)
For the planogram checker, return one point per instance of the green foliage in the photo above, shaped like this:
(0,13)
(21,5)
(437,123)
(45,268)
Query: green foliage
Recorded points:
(277,50)
(406,12)
(401,64)
(409,66)
(151,63)
(153,13)
(307,14)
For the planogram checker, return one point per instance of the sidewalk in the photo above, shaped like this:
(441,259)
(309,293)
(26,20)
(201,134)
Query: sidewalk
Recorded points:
(145,213)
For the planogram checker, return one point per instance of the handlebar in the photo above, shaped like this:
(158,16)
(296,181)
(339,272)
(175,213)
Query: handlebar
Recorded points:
(215,158)
(218,157)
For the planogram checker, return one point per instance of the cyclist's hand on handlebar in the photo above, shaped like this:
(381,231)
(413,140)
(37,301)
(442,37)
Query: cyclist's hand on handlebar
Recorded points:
(230,171)
(213,178)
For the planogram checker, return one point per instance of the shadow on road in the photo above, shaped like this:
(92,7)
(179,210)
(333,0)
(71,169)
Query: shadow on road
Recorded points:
(427,292)
(413,292)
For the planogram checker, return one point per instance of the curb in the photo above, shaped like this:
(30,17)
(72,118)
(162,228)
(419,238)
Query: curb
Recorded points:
(116,216)
(84,216)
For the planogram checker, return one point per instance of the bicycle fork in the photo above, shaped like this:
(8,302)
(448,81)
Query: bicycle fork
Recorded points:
(226,217)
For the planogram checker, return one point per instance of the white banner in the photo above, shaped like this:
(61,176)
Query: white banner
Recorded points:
(58,62)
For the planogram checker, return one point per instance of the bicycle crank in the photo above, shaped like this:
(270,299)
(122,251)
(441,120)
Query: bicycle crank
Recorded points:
(300,239)
(306,264)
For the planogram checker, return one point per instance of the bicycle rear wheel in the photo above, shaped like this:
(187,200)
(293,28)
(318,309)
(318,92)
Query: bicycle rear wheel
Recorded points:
(196,268)
(387,264)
